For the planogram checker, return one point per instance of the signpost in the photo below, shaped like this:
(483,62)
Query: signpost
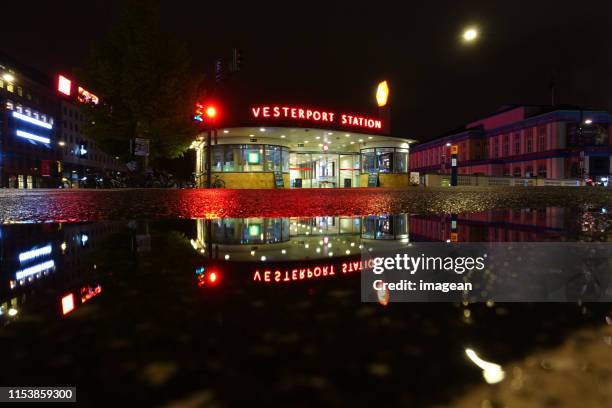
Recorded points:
(454,153)
(141,147)
(373,180)
(279,182)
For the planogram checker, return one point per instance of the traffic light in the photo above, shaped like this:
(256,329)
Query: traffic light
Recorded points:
(206,112)
(237,59)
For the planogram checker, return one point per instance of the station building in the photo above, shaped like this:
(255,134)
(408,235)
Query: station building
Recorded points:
(553,142)
(289,146)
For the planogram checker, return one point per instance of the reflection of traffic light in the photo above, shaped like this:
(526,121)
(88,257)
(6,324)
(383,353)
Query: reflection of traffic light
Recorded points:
(206,276)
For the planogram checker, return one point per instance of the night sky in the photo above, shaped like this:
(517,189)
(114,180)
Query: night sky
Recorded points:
(335,53)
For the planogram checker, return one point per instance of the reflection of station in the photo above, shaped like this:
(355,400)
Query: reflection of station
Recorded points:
(288,239)
(296,146)
(508,225)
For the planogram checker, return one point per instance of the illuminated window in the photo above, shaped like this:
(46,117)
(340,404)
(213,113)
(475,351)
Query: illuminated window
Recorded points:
(1,83)
(517,143)
(529,143)
(506,148)
(19,91)
(28,112)
(19,109)
(10,87)
(9,105)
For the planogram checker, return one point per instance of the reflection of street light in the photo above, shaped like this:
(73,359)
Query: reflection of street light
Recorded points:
(470,34)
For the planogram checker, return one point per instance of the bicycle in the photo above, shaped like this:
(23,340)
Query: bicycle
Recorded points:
(217,182)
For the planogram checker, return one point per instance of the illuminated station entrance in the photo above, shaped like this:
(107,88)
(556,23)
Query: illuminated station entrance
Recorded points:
(346,153)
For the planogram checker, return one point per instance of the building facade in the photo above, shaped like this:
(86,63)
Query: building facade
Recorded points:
(29,116)
(525,141)
(84,164)
(284,146)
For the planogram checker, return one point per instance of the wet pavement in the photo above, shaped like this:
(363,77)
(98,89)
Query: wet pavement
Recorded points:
(91,205)
(159,304)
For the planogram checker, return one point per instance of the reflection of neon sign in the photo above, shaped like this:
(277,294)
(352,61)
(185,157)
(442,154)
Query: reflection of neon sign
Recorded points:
(314,115)
(309,272)
(87,292)
(67,304)
(254,230)
(33,270)
(34,253)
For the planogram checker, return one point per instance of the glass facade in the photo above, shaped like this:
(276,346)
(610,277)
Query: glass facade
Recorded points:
(249,158)
(316,170)
(384,160)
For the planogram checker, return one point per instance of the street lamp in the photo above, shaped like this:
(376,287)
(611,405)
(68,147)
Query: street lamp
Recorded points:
(8,77)
(470,34)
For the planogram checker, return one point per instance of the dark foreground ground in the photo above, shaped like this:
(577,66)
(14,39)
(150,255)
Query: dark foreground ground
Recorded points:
(154,336)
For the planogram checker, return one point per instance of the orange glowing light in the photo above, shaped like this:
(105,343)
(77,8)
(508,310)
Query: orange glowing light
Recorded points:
(382,94)
(211,112)
(67,304)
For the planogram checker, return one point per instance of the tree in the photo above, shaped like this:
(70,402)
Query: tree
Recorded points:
(146,86)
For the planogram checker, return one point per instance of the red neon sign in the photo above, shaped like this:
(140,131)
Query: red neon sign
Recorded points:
(67,304)
(64,85)
(312,272)
(281,112)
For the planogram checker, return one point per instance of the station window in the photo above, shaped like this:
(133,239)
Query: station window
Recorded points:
(387,160)
(10,87)
(1,84)
(19,91)
(249,158)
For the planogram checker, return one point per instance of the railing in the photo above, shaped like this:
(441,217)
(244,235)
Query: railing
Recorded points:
(437,180)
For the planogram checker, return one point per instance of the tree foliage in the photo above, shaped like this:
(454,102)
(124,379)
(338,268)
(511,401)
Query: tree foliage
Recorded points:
(147,89)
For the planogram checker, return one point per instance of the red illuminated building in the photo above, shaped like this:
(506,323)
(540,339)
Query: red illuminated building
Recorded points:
(559,142)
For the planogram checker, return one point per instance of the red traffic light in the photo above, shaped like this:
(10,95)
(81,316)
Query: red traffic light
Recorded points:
(206,112)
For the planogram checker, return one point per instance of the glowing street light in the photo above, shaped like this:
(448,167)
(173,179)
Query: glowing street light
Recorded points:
(382,94)
(588,121)
(470,34)
(8,77)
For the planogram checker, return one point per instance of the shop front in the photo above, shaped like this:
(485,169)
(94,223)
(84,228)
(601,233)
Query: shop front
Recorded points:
(338,151)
